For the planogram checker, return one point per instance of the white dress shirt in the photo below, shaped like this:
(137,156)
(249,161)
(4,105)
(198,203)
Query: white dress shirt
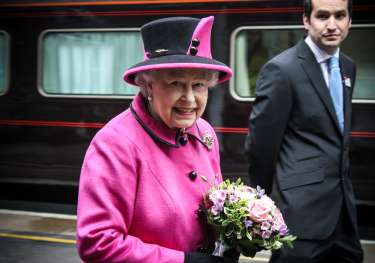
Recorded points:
(322,57)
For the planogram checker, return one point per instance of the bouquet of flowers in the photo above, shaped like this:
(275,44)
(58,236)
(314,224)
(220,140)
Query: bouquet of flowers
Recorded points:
(247,219)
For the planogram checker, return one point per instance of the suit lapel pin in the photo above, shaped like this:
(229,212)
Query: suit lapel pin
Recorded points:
(208,141)
(347,82)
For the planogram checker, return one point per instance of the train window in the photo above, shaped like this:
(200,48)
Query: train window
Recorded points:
(360,46)
(4,65)
(88,63)
(252,47)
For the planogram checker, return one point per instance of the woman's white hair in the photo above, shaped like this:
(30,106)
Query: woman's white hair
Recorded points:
(142,79)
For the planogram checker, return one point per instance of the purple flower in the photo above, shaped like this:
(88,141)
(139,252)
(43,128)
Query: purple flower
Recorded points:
(233,197)
(265,225)
(216,209)
(217,198)
(248,223)
(260,191)
(278,221)
(283,230)
(266,234)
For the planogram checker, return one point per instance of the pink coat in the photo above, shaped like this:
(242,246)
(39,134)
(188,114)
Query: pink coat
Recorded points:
(136,201)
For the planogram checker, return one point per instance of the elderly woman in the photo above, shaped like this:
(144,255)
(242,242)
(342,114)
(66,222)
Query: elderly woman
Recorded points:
(145,172)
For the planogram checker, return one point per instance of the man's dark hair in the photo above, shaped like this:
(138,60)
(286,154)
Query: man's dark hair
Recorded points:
(308,7)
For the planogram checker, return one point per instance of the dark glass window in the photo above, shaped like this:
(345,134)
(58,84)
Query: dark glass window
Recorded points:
(4,62)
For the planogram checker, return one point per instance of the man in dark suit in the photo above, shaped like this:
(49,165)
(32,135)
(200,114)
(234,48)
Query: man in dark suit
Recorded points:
(298,141)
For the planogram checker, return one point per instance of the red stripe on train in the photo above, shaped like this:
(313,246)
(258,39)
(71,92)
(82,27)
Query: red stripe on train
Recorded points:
(158,12)
(52,123)
(280,10)
(98,125)
(134,2)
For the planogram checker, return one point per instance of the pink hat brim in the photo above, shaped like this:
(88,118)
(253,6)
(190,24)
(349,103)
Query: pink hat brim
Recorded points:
(225,72)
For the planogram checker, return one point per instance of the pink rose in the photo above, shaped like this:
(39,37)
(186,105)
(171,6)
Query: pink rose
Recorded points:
(259,210)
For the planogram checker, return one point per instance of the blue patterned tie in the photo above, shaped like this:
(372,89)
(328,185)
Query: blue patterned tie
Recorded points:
(336,90)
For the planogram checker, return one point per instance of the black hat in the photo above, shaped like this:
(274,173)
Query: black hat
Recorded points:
(178,42)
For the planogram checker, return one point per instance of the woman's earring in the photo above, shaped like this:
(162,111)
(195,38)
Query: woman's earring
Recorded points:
(149,98)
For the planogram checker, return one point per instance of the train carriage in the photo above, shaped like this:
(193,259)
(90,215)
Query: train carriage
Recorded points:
(61,65)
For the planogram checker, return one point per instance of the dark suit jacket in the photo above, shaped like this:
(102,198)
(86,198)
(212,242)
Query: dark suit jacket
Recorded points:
(295,146)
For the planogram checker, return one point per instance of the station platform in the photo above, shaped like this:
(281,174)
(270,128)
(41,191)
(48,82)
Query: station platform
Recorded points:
(27,237)
(32,237)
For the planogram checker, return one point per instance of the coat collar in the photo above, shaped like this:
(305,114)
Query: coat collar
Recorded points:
(314,72)
(161,133)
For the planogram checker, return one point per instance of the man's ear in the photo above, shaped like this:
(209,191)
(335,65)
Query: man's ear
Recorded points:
(306,22)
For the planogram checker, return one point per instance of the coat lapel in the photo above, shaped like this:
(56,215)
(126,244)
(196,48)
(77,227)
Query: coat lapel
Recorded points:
(315,75)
